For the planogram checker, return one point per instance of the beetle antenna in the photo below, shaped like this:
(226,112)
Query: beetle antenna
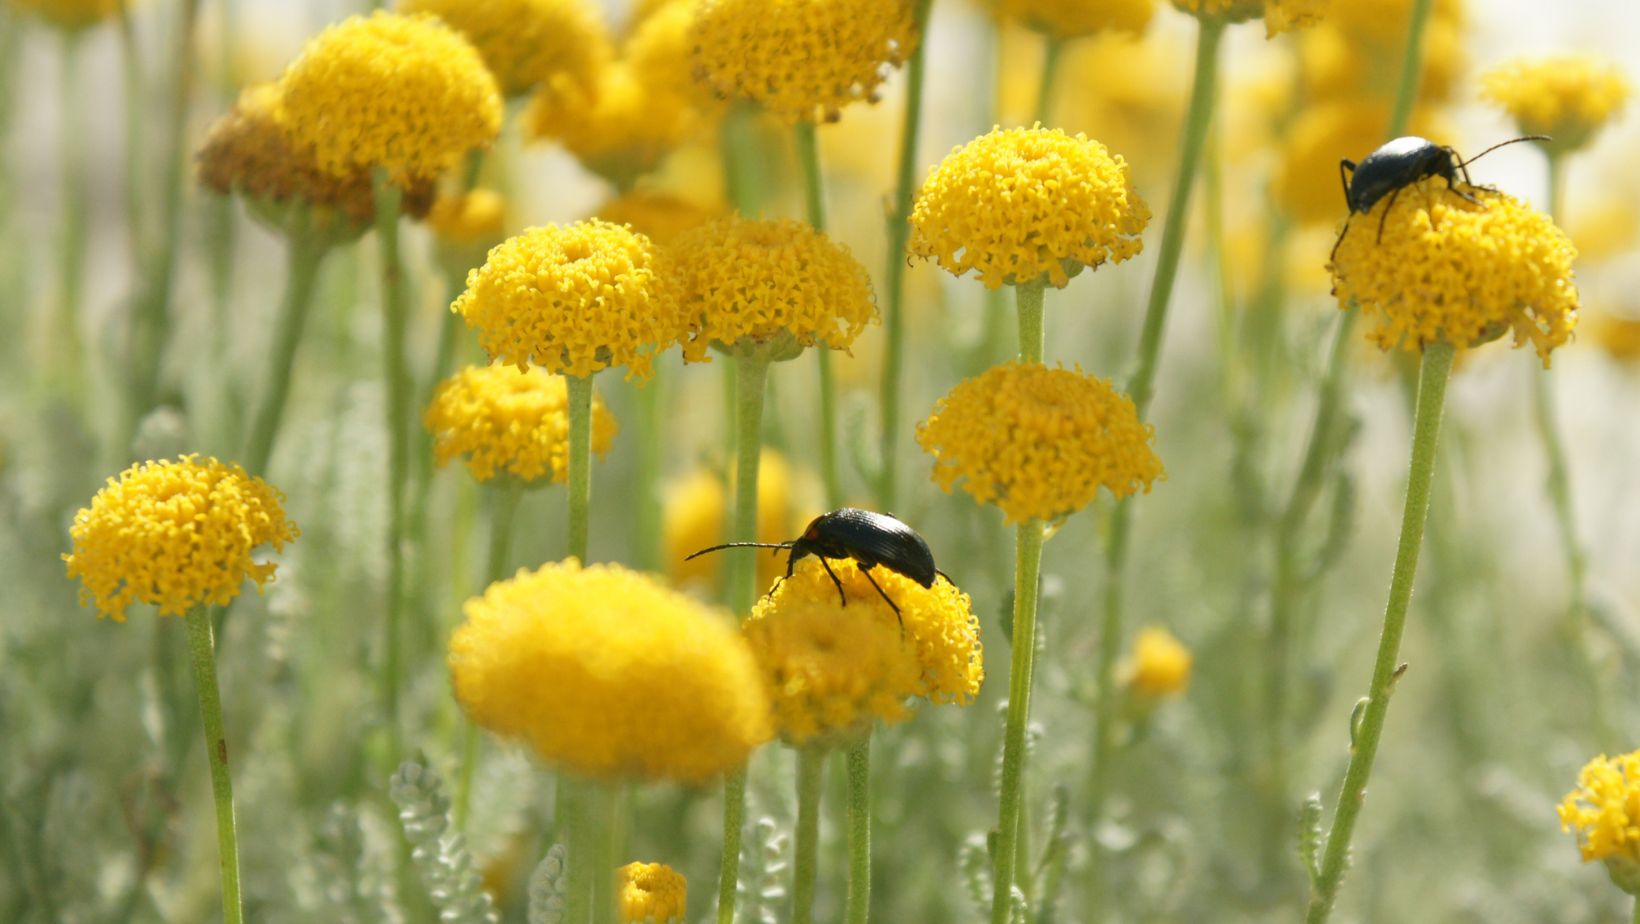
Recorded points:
(740,545)
(1500,144)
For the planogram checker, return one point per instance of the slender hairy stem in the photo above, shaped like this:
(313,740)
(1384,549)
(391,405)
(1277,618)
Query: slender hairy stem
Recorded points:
(1426,430)
(306,252)
(1027,567)
(814,198)
(651,400)
(1052,49)
(573,802)
(135,110)
(606,808)
(858,906)
(580,462)
(811,764)
(1032,342)
(1406,91)
(503,510)
(202,652)
(395,323)
(65,332)
(899,231)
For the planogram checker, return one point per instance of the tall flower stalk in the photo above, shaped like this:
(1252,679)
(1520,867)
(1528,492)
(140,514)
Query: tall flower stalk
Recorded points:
(307,249)
(396,374)
(202,655)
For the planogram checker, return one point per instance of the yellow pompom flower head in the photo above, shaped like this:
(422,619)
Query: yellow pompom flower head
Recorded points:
(527,42)
(511,422)
(659,216)
(1568,97)
(1028,204)
(1158,667)
(71,15)
(1068,19)
(1279,15)
(1604,812)
(650,893)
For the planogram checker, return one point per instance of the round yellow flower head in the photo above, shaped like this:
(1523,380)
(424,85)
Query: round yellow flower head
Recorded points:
(476,217)
(515,421)
(1568,97)
(1323,135)
(527,42)
(1618,337)
(660,52)
(573,299)
(759,281)
(659,216)
(1126,86)
(401,92)
(696,511)
(803,60)
(1356,53)
(1038,442)
(1449,270)
(619,128)
(650,893)
(71,15)
(177,535)
(609,674)
(1279,15)
(1159,666)
(1067,19)
(832,669)
(1604,811)
(1023,203)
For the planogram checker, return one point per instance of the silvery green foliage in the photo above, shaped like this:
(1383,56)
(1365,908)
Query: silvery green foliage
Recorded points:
(445,863)
(1019,910)
(763,862)
(1309,836)
(344,874)
(548,883)
(1056,846)
(974,861)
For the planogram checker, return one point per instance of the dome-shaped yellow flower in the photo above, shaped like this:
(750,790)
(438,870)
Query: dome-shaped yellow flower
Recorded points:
(618,127)
(527,42)
(650,893)
(1355,54)
(1038,442)
(609,674)
(696,511)
(1279,15)
(1617,336)
(517,421)
(572,299)
(1159,665)
(762,280)
(475,217)
(1449,270)
(1023,203)
(831,668)
(1568,97)
(71,15)
(1604,811)
(177,535)
(803,60)
(659,216)
(1067,19)
(401,92)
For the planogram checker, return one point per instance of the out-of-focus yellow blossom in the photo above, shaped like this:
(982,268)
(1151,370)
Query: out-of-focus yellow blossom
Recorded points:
(802,60)
(1020,204)
(1568,97)
(1067,19)
(761,281)
(618,128)
(832,668)
(695,514)
(573,299)
(650,893)
(1038,442)
(1306,178)
(1123,89)
(517,421)
(1279,15)
(71,15)
(609,674)
(177,535)
(1356,52)
(1617,336)
(1449,270)
(401,92)
(660,52)
(1604,811)
(1159,665)
(1606,228)
(527,42)
(659,216)
(475,217)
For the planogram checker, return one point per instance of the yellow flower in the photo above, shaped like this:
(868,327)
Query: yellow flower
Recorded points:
(659,216)
(527,42)
(1279,15)
(401,92)
(803,60)
(618,128)
(766,280)
(71,15)
(609,674)
(573,299)
(1604,810)
(177,535)
(1356,53)
(1125,88)
(1021,203)
(697,509)
(1159,666)
(517,421)
(1448,270)
(476,217)
(1568,97)
(1618,337)
(1038,442)
(1067,19)
(1306,176)
(651,893)
(831,669)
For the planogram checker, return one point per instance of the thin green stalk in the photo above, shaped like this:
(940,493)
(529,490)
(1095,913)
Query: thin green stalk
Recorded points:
(857,908)
(811,762)
(1027,568)
(1434,371)
(395,324)
(573,799)
(305,255)
(734,821)
(135,110)
(1053,48)
(1636,917)
(899,232)
(580,462)
(1406,91)
(202,652)
(814,200)
(651,412)
(1032,337)
(607,820)
(68,346)
(503,511)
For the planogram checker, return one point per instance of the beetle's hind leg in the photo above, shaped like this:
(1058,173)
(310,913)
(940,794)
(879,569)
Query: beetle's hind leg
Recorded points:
(1385,217)
(886,598)
(833,575)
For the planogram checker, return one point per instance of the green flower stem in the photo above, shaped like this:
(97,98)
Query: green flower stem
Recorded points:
(811,762)
(1406,91)
(899,232)
(1053,48)
(580,462)
(395,323)
(1032,338)
(202,651)
(607,820)
(651,412)
(857,907)
(814,200)
(66,341)
(306,253)
(1636,917)
(1433,373)
(573,798)
(135,110)
(1027,568)
(503,511)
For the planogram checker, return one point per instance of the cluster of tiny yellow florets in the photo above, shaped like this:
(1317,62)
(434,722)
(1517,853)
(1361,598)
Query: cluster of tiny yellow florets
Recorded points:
(659,216)
(803,60)
(1020,204)
(177,535)
(572,299)
(527,42)
(650,893)
(1604,811)
(832,668)
(1279,15)
(1159,665)
(1567,97)
(758,280)
(1071,18)
(400,92)
(516,421)
(1038,442)
(609,674)
(71,14)
(1448,270)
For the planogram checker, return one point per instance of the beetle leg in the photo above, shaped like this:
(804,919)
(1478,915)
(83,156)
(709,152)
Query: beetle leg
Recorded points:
(886,599)
(1350,166)
(1385,217)
(1341,232)
(833,575)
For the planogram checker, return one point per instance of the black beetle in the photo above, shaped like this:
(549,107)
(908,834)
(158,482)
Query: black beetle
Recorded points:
(1399,163)
(871,539)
